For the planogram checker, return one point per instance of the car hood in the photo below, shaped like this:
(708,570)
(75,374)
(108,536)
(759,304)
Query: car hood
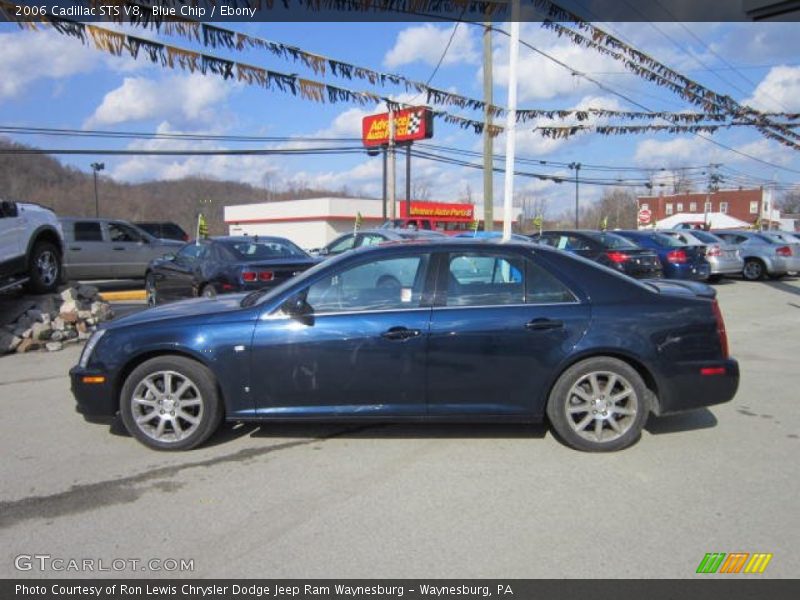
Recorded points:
(194,307)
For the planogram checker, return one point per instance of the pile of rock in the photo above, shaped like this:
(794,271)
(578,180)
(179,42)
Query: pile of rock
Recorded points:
(51,322)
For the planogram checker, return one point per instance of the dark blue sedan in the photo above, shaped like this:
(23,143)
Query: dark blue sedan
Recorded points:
(426,330)
(678,260)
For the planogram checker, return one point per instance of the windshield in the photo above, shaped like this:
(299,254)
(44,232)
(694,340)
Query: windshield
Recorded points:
(249,250)
(667,241)
(612,240)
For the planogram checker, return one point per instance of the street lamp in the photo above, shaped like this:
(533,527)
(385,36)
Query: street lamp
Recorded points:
(577,167)
(97,167)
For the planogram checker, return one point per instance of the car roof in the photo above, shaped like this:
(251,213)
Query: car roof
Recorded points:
(249,238)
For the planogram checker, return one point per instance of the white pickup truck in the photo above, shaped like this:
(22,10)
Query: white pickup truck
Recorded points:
(31,247)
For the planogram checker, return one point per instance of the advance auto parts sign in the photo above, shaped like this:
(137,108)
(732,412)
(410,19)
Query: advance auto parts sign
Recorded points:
(409,124)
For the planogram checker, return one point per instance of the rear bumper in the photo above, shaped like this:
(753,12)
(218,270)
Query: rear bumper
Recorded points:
(693,271)
(94,400)
(688,387)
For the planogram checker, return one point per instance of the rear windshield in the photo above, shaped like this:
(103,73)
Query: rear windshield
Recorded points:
(612,240)
(666,241)
(264,249)
(704,236)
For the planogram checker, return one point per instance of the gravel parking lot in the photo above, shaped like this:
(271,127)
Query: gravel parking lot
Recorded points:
(414,500)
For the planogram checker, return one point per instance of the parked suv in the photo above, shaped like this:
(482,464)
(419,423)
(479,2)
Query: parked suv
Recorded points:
(109,249)
(31,247)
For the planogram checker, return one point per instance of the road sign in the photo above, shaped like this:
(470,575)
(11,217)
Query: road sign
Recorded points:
(644,216)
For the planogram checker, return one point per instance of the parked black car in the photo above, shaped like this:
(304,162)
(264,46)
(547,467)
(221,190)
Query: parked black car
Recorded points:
(605,248)
(222,265)
(164,230)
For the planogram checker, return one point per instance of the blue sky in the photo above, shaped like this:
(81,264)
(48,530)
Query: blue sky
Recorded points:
(47,80)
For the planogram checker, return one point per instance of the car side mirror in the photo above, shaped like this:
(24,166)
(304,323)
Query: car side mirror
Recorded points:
(297,308)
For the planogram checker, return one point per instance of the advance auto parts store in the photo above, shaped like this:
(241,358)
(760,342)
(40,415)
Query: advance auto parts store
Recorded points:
(314,222)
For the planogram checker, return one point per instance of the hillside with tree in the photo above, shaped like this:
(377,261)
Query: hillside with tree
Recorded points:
(70,192)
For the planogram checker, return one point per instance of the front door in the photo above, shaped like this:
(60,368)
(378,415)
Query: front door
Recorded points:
(360,349)
(129,251)
(498,333)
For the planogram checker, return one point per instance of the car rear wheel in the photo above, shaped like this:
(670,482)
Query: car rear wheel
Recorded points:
(170,403)
(208,291)
(753,269)
(150,289)
(599,405)
(44,268)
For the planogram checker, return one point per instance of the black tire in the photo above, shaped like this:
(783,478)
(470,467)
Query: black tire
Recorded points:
(44,268)
(208,291)
(577,427)
(753,270)
(197,411)
(777,276)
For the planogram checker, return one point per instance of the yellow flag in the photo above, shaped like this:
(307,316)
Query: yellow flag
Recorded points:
(202,227)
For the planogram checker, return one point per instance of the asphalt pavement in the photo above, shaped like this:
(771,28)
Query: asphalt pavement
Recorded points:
(500,501)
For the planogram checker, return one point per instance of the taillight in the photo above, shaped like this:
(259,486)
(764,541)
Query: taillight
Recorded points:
(783,251)
(249,275)
(266,276)
(713,251)
(617,257)
(677,256)
(723,336)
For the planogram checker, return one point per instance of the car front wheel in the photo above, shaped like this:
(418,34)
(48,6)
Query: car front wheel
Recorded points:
(599,405)
(170,403)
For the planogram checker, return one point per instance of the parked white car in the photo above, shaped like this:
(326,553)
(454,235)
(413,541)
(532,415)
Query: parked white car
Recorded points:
(31,247)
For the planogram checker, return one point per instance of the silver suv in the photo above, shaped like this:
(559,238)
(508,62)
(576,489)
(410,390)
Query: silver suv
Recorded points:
(762,254)
(110,249)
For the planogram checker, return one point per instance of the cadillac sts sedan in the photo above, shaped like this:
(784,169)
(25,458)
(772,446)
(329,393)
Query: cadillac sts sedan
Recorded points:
(468,330)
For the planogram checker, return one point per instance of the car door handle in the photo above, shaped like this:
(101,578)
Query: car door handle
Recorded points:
(400,333)
(543,324)
(119,248)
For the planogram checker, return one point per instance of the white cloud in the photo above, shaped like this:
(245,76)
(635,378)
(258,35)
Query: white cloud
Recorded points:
(255,170)
(426,43)
(187,98)
(778,91)
(45,55)
(676,152)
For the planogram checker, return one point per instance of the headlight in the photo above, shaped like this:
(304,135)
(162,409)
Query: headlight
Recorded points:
(89,347)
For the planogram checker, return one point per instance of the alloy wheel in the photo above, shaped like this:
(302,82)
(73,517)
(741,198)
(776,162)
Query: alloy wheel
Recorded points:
(167,406)
(601,406)
(47,267)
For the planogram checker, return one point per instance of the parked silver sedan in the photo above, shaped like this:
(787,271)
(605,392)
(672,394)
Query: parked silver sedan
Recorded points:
(109,249)
(762,254)
(724,258)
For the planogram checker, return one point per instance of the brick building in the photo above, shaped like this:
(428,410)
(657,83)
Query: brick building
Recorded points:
(746,205)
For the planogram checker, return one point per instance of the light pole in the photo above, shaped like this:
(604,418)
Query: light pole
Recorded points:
(97,167)
(577,167)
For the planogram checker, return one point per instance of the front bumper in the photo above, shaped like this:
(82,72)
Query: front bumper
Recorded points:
(686,387)
(94,400)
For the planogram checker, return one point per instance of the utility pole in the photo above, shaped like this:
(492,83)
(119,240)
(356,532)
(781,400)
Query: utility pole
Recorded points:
(383,153)
(488,159)
(577,167)
(97,167)
(511,120)
(392,169)
(713,186)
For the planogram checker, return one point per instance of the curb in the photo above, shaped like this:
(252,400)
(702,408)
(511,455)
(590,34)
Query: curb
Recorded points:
(123,296)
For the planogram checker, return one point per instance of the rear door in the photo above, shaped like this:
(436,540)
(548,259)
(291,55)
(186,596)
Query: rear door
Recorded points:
(87,250)
(500,325)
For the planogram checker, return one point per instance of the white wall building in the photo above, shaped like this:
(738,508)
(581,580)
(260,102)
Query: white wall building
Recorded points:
(314,222)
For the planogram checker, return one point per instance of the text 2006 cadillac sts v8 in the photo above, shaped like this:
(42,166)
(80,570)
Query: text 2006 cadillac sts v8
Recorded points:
(429,330)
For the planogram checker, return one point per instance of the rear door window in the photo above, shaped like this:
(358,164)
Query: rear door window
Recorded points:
(88,231)
(476,279)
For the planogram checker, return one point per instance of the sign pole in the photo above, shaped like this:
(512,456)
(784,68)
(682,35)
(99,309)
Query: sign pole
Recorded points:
(408,180)
(392,169)
(383,153)
(511,121)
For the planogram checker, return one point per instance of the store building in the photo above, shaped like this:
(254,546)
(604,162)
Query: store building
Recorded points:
(314,222)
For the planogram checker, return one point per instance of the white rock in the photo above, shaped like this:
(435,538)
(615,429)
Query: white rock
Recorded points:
(54,346)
